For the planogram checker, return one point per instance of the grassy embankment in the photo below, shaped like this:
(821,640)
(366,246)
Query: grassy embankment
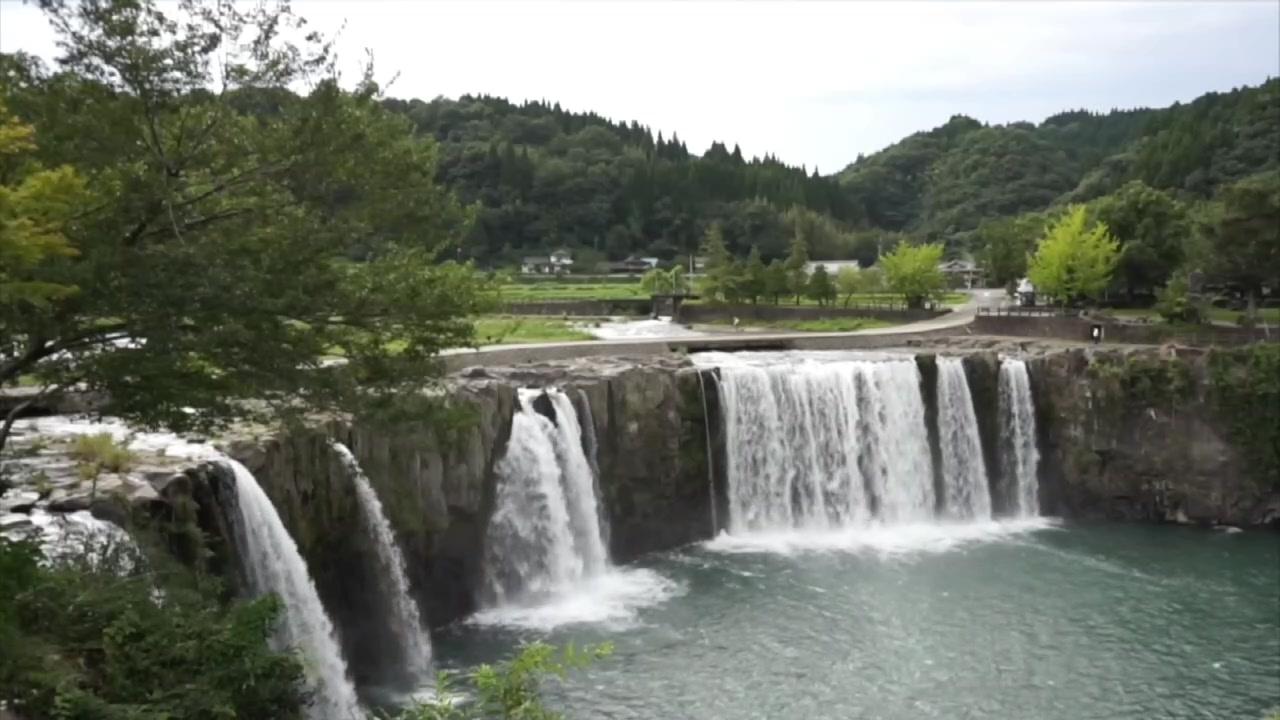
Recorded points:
(1270,315)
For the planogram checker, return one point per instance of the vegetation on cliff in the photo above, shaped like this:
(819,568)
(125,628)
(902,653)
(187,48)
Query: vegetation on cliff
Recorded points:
(1245,383)
(103,634)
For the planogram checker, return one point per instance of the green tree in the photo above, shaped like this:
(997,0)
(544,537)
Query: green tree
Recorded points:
(656,282)
(1003,244)
(754,281)
(212,253)
(912,272)
(719,263)
(82,636)
(797,259)
(1175,303)
(1074,259)
(849,282)
(35,205)
(775,280)
(1243,232)
(1152,228)
(821,289)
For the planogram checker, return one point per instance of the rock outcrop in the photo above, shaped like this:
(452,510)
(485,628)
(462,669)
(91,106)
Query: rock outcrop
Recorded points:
(1136,435)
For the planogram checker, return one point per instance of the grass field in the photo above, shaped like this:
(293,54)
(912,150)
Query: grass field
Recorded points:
(510,329)
(526,292)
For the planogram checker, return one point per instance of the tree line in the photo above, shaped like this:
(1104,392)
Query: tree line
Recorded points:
(544,177)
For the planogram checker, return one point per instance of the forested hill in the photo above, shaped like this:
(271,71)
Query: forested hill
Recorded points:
(944,182)
(547,177)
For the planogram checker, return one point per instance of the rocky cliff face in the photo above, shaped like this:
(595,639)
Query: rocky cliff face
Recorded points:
(1138,435)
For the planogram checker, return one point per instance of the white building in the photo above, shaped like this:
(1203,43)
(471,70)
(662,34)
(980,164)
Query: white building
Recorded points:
(559,262)
(833,267)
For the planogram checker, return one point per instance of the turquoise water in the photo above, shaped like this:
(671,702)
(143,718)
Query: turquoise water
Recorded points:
(987,621)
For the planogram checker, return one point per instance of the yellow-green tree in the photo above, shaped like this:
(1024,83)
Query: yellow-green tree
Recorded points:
(35,204)
(912,272)
(1074,259)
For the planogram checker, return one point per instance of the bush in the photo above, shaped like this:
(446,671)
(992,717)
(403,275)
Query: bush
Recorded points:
(95,636)
(509,690)
(102,452)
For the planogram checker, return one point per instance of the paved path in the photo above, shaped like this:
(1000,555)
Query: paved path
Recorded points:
(948,324)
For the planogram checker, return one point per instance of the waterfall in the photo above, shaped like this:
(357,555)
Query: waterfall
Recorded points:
(963,469)
(415,643)
(1020,458)
(545,533)
(273,565)
(820,445)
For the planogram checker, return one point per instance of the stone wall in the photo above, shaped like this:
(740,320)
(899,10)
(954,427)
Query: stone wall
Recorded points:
(1076,329)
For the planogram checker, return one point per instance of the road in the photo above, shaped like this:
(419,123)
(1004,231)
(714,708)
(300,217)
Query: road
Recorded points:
(960,316)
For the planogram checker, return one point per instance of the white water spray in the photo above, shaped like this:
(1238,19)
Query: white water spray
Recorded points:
(1021,458)
(963,469)
(545,531)
(824,445)
(274,565)
(546,559)
(405,621)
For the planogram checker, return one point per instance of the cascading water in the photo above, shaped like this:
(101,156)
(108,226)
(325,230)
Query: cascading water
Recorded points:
(963,469)
(415,643)
(821,445)
(273,565)
(545,531)
(1020,457)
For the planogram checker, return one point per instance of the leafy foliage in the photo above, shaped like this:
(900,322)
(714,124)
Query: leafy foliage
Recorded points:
(1074,259)
(99,636)
(35,204)
(912,272)
(1152,227)
(509,690)
(1243,227)
(213,247)
(1246,389)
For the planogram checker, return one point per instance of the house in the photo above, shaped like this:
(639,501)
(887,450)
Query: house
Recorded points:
(961,273)
(631,266)
(559,262)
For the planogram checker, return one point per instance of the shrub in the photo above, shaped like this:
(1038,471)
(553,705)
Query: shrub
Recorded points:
(83,637)
(102,452)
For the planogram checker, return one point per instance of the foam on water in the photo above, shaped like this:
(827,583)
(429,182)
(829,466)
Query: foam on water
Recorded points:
(621,329)
(880,539)
(612,598)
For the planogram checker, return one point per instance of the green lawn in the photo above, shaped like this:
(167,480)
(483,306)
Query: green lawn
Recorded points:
(879,299)
(843,324)
(510,329)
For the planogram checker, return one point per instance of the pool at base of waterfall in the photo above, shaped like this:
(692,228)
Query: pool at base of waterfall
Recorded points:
(1021,620)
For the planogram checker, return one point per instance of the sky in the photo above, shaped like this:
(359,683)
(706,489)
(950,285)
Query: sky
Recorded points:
(813,83)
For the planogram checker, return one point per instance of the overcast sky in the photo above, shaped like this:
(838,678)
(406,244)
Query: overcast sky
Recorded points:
(811,82)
